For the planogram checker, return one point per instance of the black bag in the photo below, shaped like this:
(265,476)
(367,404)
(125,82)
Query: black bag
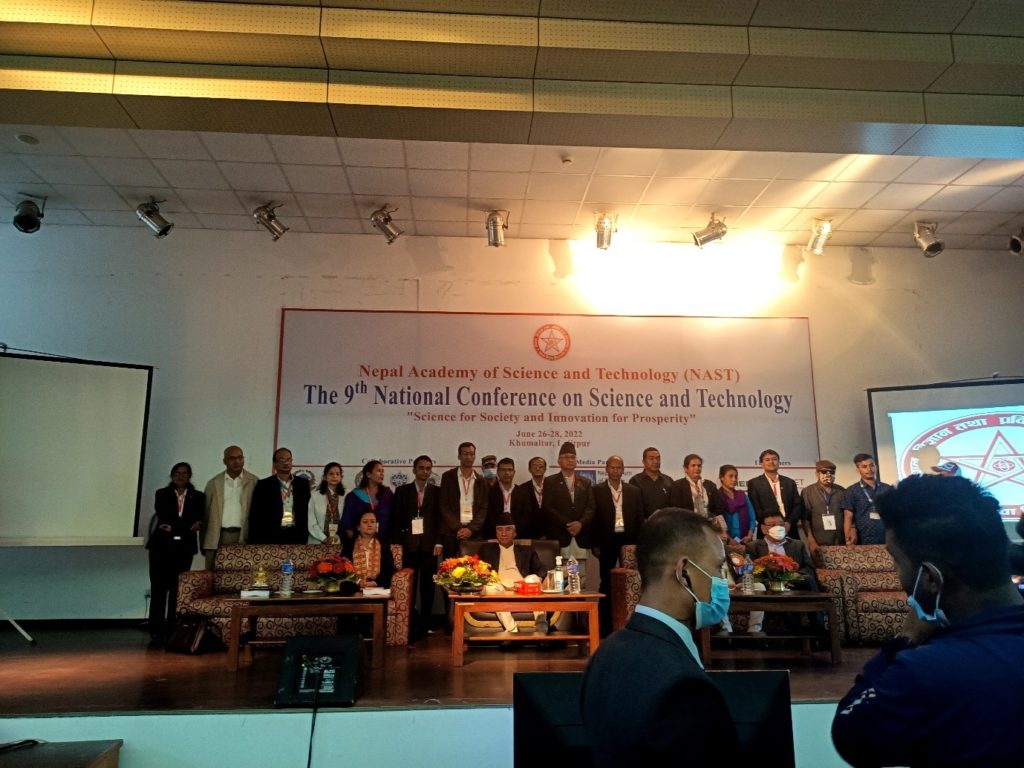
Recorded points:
(194,635)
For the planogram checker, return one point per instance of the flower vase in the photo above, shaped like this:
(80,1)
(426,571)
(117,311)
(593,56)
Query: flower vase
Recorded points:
(332,586)
(348,588)
(777,585)
(467,589)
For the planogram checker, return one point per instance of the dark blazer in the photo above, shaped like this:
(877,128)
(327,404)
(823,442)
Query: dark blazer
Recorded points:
(603,527)
(526,512)
(681,495)
(451,493)
(404,511)
(266,510)
(797,550)
(165,504)
(560,509)
(675,713)
(759,491)
(387,560)
(527,559)
(495,506)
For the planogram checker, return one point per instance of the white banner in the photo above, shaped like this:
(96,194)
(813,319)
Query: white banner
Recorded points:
(360,385)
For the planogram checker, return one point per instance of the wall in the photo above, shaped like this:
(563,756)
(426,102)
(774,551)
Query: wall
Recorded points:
(204,309)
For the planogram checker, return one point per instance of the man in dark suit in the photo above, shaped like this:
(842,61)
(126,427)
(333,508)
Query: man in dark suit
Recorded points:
(415,515)
(513,562)
(568,505)
(646,699)
(463,502)
(653,485)
(526,501)
(618,516)
(772,493)
(280,505)
(499,496)
(693,492)
(775,540)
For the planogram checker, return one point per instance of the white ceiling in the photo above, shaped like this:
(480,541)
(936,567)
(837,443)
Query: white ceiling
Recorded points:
(96,177)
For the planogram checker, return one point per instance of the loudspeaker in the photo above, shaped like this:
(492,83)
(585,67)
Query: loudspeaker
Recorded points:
(321,671)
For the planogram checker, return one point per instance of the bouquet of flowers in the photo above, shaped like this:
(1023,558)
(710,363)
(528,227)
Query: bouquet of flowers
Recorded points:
(776,568)
(465,574)
(332,570)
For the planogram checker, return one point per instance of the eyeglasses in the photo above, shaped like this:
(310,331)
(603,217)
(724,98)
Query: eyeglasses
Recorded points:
(826,472)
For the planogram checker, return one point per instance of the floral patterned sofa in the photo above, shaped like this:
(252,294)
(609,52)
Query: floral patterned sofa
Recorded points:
(625,587)
(207,592)
(863,577)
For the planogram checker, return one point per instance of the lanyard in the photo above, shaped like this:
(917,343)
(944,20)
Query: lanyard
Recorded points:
(538,491)
(507,498)
(864,490)
(181,504)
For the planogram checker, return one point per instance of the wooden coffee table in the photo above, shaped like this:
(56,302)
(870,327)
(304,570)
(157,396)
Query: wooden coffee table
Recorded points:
(299,604)
(585,602)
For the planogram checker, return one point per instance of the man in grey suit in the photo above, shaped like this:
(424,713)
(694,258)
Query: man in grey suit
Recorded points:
(227,504)
(568,506)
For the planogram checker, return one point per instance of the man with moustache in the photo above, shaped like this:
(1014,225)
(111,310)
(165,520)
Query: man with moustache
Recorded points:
(823,511)
(618,517)
(654,486)
(499,496)
(228,495)
(416,512)
(569,505)
(693,492)
(527,500)
(279,510)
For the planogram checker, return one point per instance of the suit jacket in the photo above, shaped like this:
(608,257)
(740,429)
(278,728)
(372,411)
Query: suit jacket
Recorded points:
(214,493)
(495,506)
(527,559)
(797,550)
(404,511)
(603,527)
(675,714)
(759,491)
(526,512)
(681,495)
(267,509)
(181,540)
(560,508)
(451,494)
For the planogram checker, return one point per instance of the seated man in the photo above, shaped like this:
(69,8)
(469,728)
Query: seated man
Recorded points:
(947,690)
(775,541)
(513,562)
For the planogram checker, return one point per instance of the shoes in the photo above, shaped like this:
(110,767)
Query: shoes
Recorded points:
(723,633)
(506,646)
(541,628)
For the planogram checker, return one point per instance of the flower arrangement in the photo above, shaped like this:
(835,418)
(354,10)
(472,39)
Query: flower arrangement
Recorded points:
(465,574)
(333,570)
(776,568)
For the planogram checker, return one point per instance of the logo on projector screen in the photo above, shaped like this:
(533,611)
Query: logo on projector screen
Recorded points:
(551,342)
(988,447)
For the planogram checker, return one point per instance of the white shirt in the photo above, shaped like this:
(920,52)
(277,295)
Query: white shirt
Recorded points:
(231,514)
(466,497)
(776,549)
(508,571)
(620,523)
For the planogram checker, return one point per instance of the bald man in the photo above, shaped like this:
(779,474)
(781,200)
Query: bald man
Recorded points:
(227,504)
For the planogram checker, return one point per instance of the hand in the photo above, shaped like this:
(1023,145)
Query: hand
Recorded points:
(851,538)
(597,552)
(464,533)
(164,527)
(196,526)
(574,527)
(915,630)
(369,583)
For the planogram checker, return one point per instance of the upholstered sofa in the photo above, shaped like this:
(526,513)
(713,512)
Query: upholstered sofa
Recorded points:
(626,590)
(207,593)
(863,577)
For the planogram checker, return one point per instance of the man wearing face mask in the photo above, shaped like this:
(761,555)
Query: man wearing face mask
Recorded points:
(947,690)
(775,541)
(675,714)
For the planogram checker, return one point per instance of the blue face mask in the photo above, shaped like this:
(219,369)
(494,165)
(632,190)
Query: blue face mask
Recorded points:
(938,616)
(490,473)
(710,613)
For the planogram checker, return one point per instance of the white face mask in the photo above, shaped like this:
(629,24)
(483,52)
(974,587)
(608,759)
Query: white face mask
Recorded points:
(777,532)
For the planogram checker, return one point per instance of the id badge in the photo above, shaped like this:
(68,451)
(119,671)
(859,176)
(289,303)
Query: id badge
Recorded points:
(828,522)
(417,526)
(874,516)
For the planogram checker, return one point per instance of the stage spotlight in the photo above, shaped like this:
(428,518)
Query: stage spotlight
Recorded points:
(604,225)
(266,218)
(381,220)
(496,226)
(28,216)
(1017,242)
(924,236)
(820,233)
(715,230)
(149,214)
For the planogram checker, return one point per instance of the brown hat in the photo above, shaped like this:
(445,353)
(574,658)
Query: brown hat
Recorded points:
(490,458)
(825,464)
(567,448)
(503,519)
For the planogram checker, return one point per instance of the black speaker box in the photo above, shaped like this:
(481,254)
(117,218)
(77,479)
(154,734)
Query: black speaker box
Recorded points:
(321,671)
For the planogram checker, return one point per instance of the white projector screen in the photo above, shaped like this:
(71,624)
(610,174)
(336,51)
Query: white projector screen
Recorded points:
(977,425)
(72,441)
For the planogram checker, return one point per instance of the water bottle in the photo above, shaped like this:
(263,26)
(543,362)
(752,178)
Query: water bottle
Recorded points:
(558,580)
(573,570)
(287,569)
(748,576)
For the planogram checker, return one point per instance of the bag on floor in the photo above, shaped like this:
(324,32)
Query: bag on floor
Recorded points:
(195,635)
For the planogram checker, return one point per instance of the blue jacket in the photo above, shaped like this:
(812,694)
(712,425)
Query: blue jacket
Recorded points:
(955,700)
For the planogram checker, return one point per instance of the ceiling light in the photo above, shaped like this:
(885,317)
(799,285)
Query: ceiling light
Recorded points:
(266,218)
(496,226)
(27,215)
(381,220)
(820,233)
(149,214)
(715,230)
(924,236)
(605,224)
(1017,242)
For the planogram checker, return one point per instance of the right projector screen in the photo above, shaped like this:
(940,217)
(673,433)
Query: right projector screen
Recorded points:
(977,425)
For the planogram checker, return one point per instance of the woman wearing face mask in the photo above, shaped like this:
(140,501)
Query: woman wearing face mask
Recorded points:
(373,495)
(324,507)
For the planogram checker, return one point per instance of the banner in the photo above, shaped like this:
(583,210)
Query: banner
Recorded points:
(357,385)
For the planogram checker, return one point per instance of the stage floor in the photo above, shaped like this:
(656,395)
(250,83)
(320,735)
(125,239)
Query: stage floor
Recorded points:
(73,670)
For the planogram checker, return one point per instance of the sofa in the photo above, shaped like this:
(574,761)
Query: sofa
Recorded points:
(863,577)
(626,590)
(207,593)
